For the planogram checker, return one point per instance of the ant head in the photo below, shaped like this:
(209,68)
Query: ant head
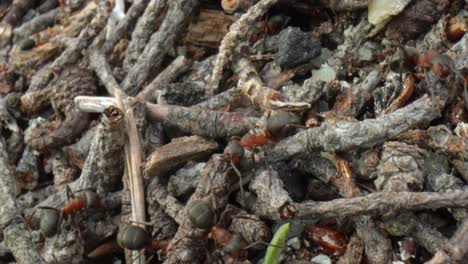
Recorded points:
(200,214)
(278,119)
(132,237)
(235,244)
(234,151)
(403,60)
(13,100)
(50,220)
(442,65)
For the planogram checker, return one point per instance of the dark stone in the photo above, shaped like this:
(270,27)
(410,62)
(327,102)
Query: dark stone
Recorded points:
(296,47)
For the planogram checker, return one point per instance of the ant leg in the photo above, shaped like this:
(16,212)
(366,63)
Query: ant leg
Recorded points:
(240,181)
(267,167)
(262,243)
(431,91)
(465,89)
(69,193)
(149,259)
(137,256)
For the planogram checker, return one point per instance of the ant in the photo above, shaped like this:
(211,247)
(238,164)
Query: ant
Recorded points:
(406,59)
(136,238)
(130,237)
(202,216)
(276,123)
(52,218)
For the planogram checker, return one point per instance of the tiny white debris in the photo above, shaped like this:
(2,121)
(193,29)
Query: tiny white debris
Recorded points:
(294,243)
(321,259)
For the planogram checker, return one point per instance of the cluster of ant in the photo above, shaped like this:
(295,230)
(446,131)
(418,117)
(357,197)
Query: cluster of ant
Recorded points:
(201,215)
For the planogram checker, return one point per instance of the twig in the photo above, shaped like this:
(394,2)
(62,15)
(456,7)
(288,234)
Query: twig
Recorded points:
(123,26)
(200,121)
(236,32)
(98,62)
(17,236)
(133,157)
(143,31)
(379,203)
(152,56)
(178,66)
(455,249)
(191,120)
(111,144)
(345,135)
(37,24)
(17,10)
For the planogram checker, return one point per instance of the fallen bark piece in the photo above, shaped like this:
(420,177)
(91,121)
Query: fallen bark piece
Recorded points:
(379,203)
(185,180)
(270,191)
(344,135)
(209,28)
(416,19)
(111,144)
(17,237)
(354,251)
(175,154)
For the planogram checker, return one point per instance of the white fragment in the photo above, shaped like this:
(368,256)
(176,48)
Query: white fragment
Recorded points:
(321,259)
(294,243)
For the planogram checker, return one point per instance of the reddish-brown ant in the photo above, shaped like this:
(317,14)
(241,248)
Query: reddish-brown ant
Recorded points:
(441,65)
(130,237)
(202,216)
(135,238)
(276,122)
(52,217)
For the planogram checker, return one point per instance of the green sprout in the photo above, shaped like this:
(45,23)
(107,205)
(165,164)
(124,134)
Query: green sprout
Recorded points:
(278,243)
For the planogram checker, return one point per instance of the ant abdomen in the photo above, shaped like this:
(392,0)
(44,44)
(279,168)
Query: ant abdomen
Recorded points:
(201,214)
(132,237)
(49,222)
